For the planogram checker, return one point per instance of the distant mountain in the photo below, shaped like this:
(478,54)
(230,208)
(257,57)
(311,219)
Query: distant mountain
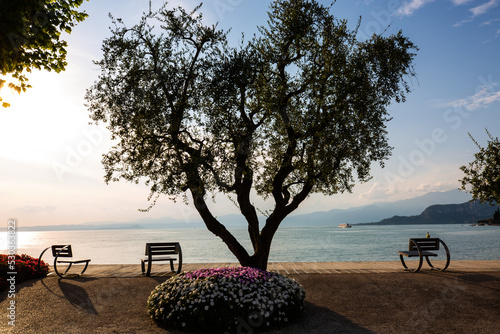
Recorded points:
(464,213)
(415,205)
(378,211)
(159,223)
(362,214)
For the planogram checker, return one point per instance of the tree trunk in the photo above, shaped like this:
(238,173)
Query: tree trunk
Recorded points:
(214,226)
(262,245)
(259,258)
(261,241)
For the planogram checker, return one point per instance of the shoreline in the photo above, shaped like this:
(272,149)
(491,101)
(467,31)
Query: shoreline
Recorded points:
(97,228)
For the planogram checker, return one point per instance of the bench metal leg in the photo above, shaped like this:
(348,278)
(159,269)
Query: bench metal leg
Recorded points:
(69,267)
(420,261)
(57,271)
(40,257)
(86,265)
(179,267)
(429,262)
(150,264)
(402,261)
(420,258)
(55,268)
(447,258)
(143,268)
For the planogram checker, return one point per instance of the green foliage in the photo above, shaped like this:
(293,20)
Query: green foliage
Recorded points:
(30,37)
(483,174)
(226,300)
(300,108)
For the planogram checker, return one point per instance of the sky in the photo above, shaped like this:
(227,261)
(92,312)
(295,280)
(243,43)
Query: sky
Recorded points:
(50,155)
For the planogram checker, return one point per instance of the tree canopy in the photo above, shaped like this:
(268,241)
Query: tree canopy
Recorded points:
(30,37)
(301,108)
(482,176)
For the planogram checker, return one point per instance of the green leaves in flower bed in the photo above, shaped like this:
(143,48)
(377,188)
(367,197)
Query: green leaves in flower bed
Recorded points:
(226,299)
(25,267)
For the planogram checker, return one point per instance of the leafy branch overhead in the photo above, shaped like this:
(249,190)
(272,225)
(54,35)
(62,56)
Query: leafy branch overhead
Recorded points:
(298,109)
(482,176)
(30,37)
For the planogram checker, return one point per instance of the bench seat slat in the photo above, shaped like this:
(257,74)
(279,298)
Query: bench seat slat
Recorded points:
(73,261)
(415,253)
(162,246)
(160,259)
(153,252)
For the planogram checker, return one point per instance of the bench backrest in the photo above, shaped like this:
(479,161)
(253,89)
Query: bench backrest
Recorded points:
(424,244)
(162,248)
(63,250)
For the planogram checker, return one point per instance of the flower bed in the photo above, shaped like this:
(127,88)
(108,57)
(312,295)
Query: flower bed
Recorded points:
(25,267)
(237,299)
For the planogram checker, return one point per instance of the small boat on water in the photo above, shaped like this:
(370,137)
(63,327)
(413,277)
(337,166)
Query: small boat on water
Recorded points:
(345,226)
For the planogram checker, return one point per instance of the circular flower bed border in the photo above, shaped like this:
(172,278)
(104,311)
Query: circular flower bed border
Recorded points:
(226,299)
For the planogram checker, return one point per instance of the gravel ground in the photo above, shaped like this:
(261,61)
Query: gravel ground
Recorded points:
(425,302)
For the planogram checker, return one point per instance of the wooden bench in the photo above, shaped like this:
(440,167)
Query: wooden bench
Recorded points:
(423,247)
(59,251)
(157,251)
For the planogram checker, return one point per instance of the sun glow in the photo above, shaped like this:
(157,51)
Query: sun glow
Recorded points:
(36,126)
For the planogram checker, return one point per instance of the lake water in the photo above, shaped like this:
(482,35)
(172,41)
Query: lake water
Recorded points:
(359,243)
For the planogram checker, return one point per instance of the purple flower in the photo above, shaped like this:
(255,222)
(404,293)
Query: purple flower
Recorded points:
(242,274)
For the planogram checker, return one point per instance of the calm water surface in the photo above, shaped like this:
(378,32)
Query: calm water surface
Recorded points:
(359,243)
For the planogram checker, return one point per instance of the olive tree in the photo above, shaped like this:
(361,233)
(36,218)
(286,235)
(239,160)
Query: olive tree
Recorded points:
(483,174)
(301,108)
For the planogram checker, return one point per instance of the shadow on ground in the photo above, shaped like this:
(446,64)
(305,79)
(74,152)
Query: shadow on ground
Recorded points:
(321,320)
(77,296)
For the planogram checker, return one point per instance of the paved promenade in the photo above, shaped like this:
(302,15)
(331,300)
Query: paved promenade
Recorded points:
(341,297)
(286,268)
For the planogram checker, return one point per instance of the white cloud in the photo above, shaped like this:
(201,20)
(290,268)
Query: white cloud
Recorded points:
(439,186)
(461,23)
(482,9)
(409,7)
(489,22)
(460,2)
(477,11)
(482,99)
(378,191)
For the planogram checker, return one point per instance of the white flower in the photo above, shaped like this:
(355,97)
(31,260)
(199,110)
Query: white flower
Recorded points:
(265,296)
